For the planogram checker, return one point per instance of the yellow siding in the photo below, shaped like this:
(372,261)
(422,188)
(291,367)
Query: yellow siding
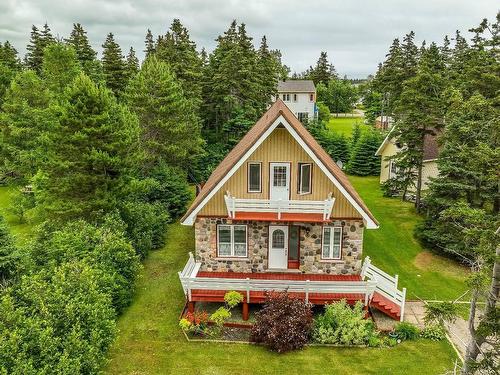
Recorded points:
(280,146)
(430,169)
(389,150)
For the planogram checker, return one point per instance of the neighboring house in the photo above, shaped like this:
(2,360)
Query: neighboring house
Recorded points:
(300,96)
(384,122)
(279,214)
(389,147)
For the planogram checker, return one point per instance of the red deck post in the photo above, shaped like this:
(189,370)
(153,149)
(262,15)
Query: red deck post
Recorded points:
(244,311)
(191,307)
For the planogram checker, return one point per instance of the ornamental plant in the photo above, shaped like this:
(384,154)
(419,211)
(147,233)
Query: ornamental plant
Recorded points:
(284,323)
(406,331)
(195,323)
(343,325)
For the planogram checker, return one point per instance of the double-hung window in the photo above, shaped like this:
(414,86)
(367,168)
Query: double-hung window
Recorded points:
(305,178)
(232,240)
(254,177)
(332,243)
(286,97)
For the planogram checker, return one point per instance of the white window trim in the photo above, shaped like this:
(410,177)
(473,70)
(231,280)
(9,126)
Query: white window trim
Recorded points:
(331,243)
(392,165)
(232,255)
(300,178)
(260,176)
(295,98)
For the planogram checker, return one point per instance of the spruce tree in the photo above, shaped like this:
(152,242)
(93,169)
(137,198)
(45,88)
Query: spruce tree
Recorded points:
(132,63)
(9,66)
(323,72)
(114,66)
(363,161)
(38,41)
(268,71)
(79,41)
(178,50)
(25,119)
(149,44)
(93,153)
(170,130)
(60,67)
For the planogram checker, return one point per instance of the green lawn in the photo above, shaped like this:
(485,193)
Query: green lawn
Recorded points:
(19,230)
(345,125)
(393,248)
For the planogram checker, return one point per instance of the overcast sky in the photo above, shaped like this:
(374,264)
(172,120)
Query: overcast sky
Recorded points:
(356,34)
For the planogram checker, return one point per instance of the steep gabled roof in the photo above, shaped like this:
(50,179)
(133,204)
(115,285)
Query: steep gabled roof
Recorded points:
(296,85)
(278,113)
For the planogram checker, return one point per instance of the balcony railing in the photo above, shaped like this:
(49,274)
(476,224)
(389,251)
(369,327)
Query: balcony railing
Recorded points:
(235,205)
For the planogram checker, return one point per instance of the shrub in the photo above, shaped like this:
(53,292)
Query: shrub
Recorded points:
(406,331)
(232,299)
(434,332)
(341,324)
(198,322)
(9,257)
(283,324)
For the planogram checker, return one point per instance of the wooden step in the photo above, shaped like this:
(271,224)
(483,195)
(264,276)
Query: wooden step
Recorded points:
(386,306)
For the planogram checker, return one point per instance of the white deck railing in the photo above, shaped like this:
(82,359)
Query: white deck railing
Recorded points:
(234,205)
(387,285)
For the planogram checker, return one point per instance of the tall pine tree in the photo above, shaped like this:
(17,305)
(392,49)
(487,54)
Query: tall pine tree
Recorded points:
(114,66)
(132,64)
(323,71)
(38,41)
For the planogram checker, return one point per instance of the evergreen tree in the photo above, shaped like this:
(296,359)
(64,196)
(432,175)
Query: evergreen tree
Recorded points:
(85,53)
(132,63)
(363,161)
(25,119)
(114,66)
(38,41)
(60,67)
(9,66)
(178,50)
(323,72)
(92,154)
(420,113)
(169,126)
(268,72)
(149,43)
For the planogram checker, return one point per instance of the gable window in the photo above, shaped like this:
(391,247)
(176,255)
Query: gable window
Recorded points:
(302,116)
(254,177)
(286,97)
(305,178)
(232,240)
(294,97)
(332,243)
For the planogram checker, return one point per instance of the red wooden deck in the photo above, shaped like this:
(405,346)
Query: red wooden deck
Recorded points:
(259,297)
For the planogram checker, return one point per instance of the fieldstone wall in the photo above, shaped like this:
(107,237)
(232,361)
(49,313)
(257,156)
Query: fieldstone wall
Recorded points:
(310,247)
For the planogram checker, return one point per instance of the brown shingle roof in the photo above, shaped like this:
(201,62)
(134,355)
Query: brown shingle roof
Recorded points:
(296,85)
(277,109)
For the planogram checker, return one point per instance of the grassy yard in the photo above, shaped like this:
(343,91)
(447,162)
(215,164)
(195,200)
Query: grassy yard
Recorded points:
(393,248)
(19,230)
(150,342)
(345,125)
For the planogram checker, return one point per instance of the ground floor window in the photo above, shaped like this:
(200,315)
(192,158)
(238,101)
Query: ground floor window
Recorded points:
(302,116)
(332,243)
(232,240)
(393,169)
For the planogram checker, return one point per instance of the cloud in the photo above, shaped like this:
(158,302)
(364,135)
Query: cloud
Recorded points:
(356,34)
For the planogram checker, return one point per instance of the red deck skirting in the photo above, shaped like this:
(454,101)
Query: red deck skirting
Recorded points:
(279,276)
(273,216)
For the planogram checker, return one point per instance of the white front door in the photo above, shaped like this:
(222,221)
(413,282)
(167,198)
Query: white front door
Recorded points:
(278,246)
(279,181)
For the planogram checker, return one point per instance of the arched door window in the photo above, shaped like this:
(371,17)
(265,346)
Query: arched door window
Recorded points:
(278,239)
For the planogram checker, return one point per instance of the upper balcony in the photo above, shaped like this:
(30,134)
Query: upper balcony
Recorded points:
(279,210)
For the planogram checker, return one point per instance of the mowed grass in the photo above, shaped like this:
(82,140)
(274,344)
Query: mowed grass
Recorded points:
(150,342)
(19,230)
(345,125)
(394,249)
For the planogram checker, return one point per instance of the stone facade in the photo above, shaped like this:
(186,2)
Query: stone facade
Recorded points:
(257,233)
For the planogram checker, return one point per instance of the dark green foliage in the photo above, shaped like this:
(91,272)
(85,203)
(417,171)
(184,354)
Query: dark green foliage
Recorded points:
(24,120)
(114,66)
(8,254)
(406,331)
(9,66)
(178,50)
(323,71)
(132,64)
(149,44)
(92,152)
(344,325)
(363,161)
(38,41)
(283,324)
(440,312)
(86,55)
(60,67)
(56,322)
(338,94)
(170,129)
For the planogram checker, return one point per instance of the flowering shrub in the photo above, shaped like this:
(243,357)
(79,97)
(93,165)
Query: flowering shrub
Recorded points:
(196,323)
(284,323)
(341,324)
